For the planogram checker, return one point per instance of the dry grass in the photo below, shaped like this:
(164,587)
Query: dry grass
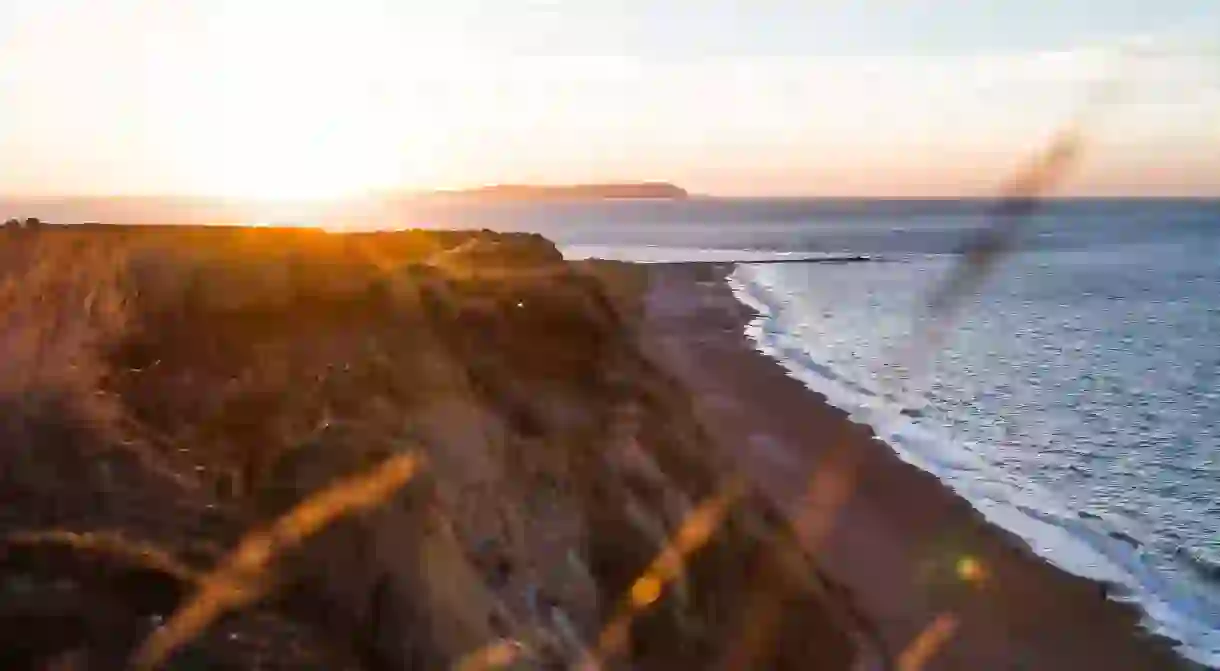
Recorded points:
(61,303)
(116,545)
(73,303)
(178,339)
(232,350)
(668,566)
(243,577)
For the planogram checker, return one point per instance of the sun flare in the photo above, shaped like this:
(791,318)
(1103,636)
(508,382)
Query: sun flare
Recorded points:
(309,119)
(286,147)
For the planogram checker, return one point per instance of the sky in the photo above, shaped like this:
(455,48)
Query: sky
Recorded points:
(309,99)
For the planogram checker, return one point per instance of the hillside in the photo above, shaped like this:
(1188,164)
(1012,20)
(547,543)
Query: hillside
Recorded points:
(166,390)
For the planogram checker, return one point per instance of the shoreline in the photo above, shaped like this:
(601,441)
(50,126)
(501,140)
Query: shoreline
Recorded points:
(909,550)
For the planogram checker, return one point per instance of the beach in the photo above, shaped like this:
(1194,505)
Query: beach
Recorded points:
(941,587)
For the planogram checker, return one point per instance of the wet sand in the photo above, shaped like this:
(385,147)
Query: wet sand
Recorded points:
(943,588)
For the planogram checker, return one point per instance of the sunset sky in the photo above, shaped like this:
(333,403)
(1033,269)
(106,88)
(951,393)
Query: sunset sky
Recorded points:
(299,98)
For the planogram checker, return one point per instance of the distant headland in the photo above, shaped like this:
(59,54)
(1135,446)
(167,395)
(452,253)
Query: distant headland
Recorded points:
(609,191)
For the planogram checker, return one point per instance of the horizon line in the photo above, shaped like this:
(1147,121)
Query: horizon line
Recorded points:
(473,191)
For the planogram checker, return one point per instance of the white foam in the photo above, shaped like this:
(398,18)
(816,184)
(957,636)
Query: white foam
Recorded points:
(1087,548)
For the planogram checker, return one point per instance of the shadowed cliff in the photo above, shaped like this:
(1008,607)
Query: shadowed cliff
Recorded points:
(166,390)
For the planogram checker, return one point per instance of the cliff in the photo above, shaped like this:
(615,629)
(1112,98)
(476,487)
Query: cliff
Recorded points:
(167,390)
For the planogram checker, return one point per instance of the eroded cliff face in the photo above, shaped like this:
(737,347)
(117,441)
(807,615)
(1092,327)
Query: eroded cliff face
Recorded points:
(254,367)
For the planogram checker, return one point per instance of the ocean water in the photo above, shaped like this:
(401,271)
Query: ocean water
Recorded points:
(1075,400)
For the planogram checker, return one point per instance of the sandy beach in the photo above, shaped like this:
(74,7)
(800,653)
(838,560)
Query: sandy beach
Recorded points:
(944,589)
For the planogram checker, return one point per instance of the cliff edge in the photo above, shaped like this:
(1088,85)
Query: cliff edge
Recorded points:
(168,390)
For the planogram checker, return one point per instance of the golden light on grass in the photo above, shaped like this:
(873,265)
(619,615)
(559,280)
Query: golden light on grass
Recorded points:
(696,528)
(645,591)
(971,570)
(496,655)
(928,642)
(112,544)
(243,577)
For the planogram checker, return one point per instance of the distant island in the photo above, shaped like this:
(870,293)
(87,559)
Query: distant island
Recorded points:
(615,191)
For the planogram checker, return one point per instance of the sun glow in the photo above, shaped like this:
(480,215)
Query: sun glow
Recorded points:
(309,116)
(308,101)
(286,148)
(302,156)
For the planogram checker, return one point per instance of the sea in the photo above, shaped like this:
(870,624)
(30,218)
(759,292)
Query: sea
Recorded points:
(1073,398)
